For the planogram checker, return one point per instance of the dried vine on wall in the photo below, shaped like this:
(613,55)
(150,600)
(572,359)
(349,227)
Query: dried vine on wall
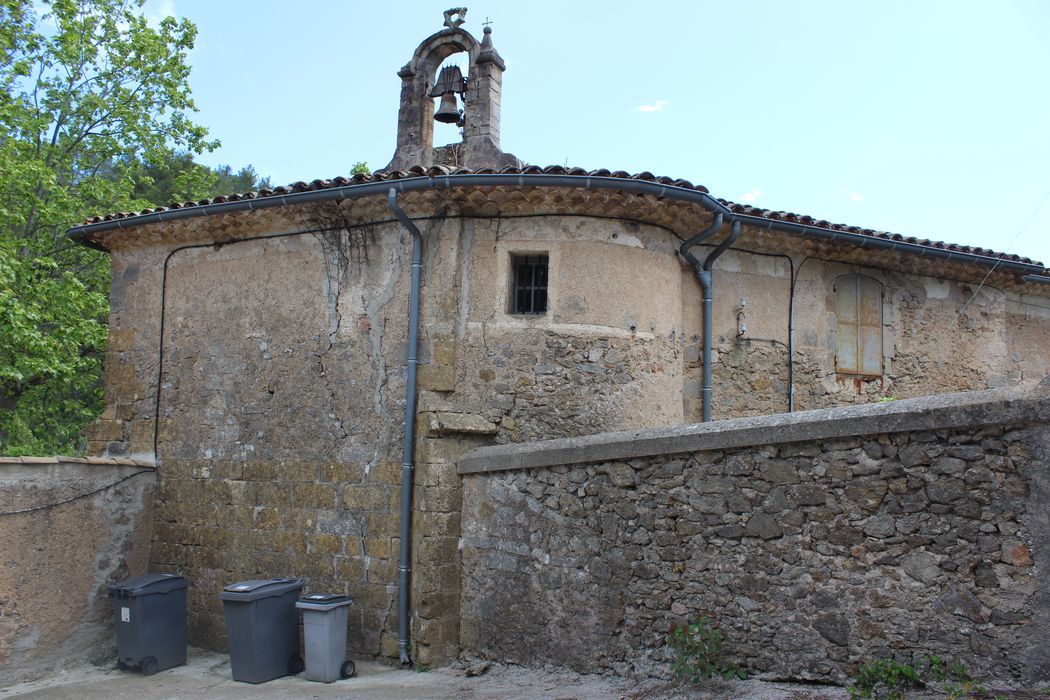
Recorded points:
(341,241)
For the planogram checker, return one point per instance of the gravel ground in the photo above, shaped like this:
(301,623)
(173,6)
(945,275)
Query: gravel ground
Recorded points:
(207,675)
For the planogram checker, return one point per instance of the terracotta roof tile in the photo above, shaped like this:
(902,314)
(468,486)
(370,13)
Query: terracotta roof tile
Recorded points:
(441,170)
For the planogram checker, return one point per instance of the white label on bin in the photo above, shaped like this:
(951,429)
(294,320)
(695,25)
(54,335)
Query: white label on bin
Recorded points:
(241,588)
(125,614)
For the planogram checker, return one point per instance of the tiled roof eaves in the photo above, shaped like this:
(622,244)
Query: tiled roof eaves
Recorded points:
(779,219)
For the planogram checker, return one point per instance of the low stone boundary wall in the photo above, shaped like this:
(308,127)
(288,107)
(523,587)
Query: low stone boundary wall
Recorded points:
(817,541)
(68,527)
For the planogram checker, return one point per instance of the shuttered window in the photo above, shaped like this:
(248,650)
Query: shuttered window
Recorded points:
(858,308)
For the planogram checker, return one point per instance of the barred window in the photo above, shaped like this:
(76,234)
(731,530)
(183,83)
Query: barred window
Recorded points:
(529,293)
(858,331)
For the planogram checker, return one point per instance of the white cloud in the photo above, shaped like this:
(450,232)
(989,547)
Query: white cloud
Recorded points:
(657,106)
(854,196)
(752,196)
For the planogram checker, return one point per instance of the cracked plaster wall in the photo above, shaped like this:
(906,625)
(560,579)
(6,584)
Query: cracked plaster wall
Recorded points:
(283,395)
(57,561)
(283,388)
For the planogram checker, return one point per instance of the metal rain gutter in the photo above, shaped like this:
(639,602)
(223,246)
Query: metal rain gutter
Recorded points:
(641,187)
(404,568)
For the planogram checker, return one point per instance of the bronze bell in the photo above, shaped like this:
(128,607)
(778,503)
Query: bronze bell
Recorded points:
(448,110)
(449,82)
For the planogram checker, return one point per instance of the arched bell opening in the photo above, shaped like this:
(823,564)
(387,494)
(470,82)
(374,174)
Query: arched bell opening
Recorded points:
(457,80)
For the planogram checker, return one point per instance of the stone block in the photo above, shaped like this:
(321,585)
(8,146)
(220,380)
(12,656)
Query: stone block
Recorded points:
(314,495)
(266,518)
(437,474)
(297,471)
(1016,553)
(378,547)
(325,544)
(351,473)
(442,499)
(436,377)
(921,566)
(444,352)
(299,519)
(436,549)
(367,497)
(105,430)
(388,646)
(260,471)
(350,569)
(383,523)
(289,542)
(382,571)
(763,526)
(438,605)
(437,632)
(441,423)
(867,493)
(140,436)
(389,472)
(431,523)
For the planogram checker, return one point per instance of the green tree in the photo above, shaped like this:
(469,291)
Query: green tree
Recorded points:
(179,179)
(89,90)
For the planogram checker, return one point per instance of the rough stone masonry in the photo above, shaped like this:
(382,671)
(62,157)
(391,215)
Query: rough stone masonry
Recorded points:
(816,542)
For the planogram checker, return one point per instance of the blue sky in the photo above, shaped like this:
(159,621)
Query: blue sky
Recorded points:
(930,119)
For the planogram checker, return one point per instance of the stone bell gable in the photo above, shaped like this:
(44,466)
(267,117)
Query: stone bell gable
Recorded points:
(480,121)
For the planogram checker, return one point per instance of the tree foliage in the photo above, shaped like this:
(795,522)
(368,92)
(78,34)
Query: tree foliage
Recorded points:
(91,91)
(179,178)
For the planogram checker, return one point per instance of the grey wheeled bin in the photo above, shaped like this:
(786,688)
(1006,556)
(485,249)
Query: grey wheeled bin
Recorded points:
(150,615)
(263,627)
(324,635)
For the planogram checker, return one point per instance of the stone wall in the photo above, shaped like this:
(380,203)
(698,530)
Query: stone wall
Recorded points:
(282,399)
(817,541)
(264,363)
(68,528)
(939,335)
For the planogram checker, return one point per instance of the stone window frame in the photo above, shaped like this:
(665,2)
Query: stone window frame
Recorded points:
(505,254)
(881,344)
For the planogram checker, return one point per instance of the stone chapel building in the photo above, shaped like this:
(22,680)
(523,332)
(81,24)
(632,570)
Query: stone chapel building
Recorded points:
(261,344)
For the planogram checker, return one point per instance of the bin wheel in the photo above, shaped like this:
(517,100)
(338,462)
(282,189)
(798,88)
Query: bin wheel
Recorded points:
(295,665)
(349,670)
(149,666)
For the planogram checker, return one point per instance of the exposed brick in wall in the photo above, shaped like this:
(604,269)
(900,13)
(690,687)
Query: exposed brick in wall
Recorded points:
(813,555)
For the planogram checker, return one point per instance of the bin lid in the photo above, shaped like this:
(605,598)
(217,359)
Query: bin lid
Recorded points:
(148,584)
(260,588)
(323,601)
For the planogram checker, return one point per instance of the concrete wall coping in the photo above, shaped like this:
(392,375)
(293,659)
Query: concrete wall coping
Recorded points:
(1018,404)
(103,461)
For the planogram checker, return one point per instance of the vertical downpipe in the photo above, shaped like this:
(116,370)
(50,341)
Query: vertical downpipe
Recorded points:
(706,283)
(703,274)
(404,568)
